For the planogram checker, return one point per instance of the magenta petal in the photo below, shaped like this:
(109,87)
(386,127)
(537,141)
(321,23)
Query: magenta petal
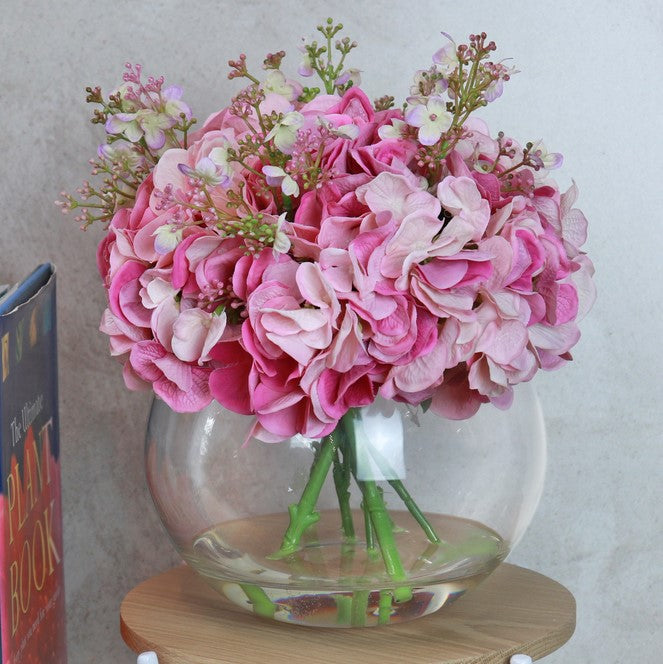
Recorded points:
(356,105)
(425,371)
(566,305)
(142,359)
(132,380)
(181,263)
(192,400)
(504,400)
(132,305)
(503,343)
(284,423)
(128,272)
(175,371)
(229,383)
(444,274)
(454,399)
(229,386)
(340,391)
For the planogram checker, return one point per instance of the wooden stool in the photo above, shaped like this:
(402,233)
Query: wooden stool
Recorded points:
(186,622)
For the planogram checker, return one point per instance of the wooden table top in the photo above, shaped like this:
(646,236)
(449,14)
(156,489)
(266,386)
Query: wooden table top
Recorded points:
(186,622)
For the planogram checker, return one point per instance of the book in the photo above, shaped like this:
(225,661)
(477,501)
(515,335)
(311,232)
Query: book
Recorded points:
(32,609)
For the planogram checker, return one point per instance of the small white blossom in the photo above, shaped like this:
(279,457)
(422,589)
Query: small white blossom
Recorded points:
(153,125)
(157,291)
(173,104)
(351,74)
(128,102)
(144,123)
(167,237)
(305,67)
(396,129)
(431,118)
(281,240)
(121,152)
(125,124)
(276,82)
(496,87)
(446,58)
(219,156)
(544,159)
(349,131)
(421,79)
(206,171)
(277,176)
(195,333)
(285,131)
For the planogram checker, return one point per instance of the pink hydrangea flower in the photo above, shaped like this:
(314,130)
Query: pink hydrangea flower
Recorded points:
(182,385)
(295,265)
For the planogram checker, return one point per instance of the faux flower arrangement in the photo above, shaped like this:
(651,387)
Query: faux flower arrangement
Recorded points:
(307,250)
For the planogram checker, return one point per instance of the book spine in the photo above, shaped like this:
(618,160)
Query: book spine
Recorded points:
(32,618)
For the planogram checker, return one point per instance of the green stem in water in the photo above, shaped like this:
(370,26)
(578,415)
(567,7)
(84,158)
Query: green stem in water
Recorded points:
(371,549)
(385,535)
(424,558)
(359,608)
(378,519)
(262,605)
(395,528)
(303,514)
(384,607)
(400,489)
(343,609)
(418,515)
(342,482)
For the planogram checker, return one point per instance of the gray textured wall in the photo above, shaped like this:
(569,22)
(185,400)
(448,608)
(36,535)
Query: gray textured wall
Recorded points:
(590,85)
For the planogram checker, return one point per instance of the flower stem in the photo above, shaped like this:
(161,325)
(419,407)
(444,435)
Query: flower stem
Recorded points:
(415,511)
(424,558)
(377,519)
(343,609)
(262,605)
(384,607)
(303,514)
(371,549)
(400,489)
(385,534)
(358,608)
(342,482)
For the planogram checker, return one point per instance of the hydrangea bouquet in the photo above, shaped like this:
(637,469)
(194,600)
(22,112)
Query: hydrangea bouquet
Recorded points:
(307,250)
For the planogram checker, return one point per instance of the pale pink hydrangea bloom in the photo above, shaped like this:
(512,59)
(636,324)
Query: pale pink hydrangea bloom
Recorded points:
(379,280)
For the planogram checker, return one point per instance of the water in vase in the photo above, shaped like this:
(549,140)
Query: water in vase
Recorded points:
(332,581)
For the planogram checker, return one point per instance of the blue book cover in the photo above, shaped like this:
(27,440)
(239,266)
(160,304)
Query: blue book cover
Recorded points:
(32,615)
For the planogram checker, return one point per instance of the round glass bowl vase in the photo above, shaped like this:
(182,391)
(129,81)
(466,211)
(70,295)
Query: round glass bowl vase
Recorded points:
(391,517)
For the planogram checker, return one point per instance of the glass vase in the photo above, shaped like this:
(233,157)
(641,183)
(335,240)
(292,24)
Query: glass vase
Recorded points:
(395,514)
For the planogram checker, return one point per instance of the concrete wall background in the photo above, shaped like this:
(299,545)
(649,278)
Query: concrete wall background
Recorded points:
(590,86)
